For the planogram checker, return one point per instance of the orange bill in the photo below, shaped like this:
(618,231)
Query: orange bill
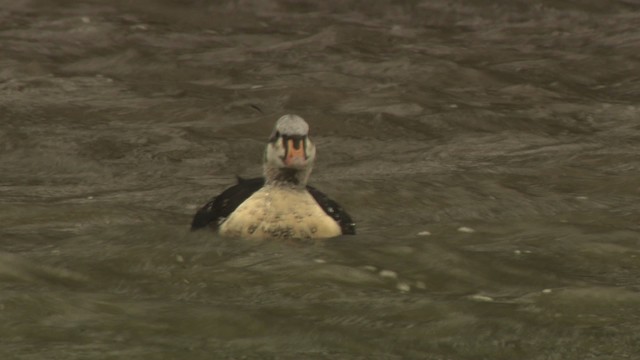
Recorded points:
(295,151)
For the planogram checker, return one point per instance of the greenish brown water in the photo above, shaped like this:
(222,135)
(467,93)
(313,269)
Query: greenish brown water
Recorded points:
(488,153)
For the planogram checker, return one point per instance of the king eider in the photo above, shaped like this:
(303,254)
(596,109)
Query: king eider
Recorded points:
(280,205)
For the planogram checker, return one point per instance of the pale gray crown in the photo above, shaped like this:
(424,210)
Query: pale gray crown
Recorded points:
(292,125)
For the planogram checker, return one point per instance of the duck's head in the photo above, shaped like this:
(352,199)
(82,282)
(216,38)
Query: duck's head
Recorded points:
(290,154)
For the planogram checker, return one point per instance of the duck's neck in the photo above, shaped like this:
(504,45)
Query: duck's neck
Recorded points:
(286,177)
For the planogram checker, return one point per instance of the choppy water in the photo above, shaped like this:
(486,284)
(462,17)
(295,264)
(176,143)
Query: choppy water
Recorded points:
(488,152)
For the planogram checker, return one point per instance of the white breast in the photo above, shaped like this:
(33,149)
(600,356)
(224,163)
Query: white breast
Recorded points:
(279,213)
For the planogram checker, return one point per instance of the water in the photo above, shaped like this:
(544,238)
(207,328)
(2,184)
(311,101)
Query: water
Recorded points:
(488,152)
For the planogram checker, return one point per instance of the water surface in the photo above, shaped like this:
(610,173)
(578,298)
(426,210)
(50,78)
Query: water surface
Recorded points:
(488,152)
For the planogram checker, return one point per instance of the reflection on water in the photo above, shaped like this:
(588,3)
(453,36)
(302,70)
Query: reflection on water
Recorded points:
(487,152)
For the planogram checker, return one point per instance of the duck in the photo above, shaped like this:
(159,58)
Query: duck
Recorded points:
(279,205)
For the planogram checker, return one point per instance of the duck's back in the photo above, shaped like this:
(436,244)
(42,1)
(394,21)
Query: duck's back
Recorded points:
(280,213)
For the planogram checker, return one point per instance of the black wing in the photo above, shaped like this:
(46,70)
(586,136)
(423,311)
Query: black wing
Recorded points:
(334,210)
(224,204)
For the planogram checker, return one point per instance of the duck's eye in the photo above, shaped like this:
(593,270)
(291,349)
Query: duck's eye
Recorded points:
(275,136)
